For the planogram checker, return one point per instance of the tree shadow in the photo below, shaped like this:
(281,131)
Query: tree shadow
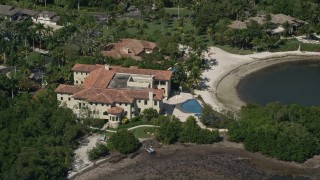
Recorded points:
(203,84)
(168,108)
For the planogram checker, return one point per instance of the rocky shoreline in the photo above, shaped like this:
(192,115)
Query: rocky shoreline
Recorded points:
(223,160)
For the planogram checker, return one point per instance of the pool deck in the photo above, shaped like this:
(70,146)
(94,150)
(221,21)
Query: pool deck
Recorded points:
(177,99)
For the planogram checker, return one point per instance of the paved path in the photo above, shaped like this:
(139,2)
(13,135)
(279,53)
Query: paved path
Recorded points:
(135,127)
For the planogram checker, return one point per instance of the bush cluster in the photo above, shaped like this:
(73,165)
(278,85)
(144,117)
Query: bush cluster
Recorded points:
(172,130)
(98,151)
(289,133)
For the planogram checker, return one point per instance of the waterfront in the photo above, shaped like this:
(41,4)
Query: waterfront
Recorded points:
(290,83)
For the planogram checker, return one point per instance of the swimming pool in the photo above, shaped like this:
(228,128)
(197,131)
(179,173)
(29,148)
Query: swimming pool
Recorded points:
(191,106)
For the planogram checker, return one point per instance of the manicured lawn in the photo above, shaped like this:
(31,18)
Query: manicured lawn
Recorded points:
(235,50)
(152,30)
(293,45)
(142,132)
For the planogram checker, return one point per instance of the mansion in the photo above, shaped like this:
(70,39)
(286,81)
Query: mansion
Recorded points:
(113,92)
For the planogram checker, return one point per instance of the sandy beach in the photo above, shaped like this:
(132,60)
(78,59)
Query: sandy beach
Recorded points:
(221,80)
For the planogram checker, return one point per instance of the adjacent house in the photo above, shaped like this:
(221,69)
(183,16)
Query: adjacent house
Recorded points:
(9,12)
(132,48)
(113,92)
(47,18)
(277,20)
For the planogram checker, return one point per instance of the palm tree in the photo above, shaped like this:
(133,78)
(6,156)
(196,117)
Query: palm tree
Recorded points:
(40,31)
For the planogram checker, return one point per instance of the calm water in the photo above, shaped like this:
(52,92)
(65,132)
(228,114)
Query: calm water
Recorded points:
(291,83)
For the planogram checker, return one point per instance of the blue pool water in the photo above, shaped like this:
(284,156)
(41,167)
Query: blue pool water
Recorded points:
(191,106)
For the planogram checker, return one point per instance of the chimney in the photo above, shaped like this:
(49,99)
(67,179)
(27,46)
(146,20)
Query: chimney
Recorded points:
(126,50)
(107,67)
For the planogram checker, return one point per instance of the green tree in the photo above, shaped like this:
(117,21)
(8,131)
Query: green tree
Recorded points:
(124,141)
(150,114)
(169,129)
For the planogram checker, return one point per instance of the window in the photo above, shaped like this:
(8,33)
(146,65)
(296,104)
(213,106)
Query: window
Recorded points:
(76,82)
(83,104)
(79,105)
(96,104)
(69,99)
(145,102)
(61,98)
(81,82)
(139,110)
(125,104)
(94,112)
(139,101)
(155,103)
(125,113)
(105,113)
(162,82)
(76,72)
(81,73)
(90,103)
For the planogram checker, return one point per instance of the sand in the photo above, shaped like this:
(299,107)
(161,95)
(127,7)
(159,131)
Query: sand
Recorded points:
(221,80)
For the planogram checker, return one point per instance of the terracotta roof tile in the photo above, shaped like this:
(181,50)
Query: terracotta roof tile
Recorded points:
(85,67)
(94,88)
(115,110)
(99,78)
(68,89)
(158,74)
(129,48)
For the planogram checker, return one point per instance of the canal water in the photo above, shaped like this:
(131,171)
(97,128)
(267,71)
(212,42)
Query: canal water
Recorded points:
(289,83)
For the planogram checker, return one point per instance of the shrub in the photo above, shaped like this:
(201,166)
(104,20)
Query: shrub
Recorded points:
(96,152)
(149,114)
(98,123)
(124,141)
(285,132)
(215,119)
(192,133)
(169,129)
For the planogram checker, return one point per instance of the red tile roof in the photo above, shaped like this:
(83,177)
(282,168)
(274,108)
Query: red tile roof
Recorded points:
(85,67)
(115,110)
(129,48)
(99,78)
(100,95)
(163,75)
(68,89)
(94,88)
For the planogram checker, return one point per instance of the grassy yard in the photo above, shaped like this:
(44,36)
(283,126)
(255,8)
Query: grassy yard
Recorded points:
(142,132)
(150,30)
(235,50)
(293,44)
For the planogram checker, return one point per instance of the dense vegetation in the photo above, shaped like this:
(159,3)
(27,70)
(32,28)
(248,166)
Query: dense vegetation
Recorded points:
(172,130)
(212,118)
(289,133)
(100,150)
(124,141)
(37,137)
